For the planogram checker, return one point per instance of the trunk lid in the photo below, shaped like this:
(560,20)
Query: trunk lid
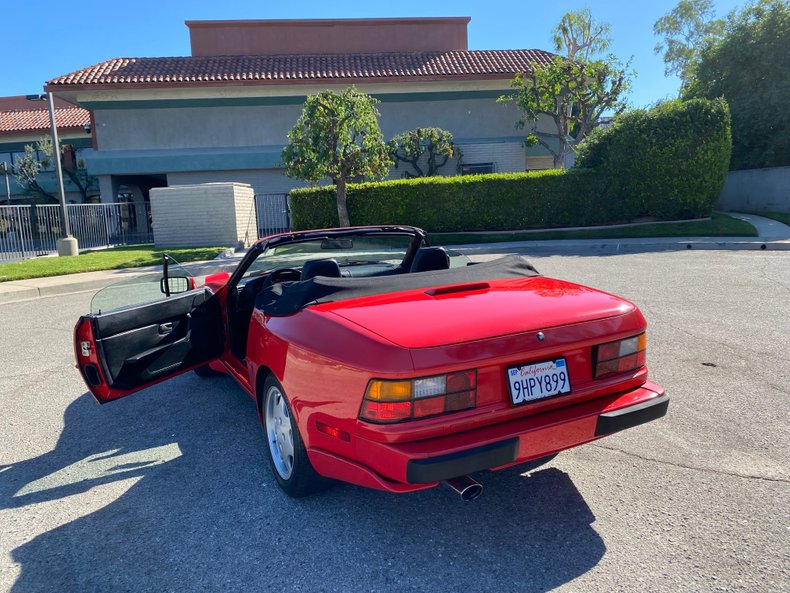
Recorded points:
(426,318)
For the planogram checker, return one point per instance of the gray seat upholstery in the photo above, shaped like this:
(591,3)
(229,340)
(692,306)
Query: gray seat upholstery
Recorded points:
(320,267)
(430,258)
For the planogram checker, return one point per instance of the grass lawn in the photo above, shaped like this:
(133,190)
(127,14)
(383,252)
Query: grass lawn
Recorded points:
(720,225)
(131,256)
(780,216)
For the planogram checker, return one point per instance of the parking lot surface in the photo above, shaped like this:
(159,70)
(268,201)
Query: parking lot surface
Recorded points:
(168,490)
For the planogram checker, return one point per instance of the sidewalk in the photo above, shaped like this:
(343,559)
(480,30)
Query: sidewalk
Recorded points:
(773,236)
(20,290)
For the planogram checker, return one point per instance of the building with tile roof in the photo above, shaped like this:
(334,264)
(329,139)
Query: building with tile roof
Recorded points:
(222,114)
(24,120)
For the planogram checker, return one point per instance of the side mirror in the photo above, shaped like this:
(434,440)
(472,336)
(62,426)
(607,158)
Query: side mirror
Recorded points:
(175,284)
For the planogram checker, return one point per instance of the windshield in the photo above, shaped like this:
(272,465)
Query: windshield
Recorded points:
(381,249)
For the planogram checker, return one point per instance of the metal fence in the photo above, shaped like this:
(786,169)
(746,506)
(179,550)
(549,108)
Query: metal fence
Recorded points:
(29,231)
(273,213)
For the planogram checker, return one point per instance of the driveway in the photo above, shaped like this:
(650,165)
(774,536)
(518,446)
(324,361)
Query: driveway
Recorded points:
(168,490)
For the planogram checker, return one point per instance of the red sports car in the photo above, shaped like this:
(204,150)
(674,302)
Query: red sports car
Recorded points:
(379,360)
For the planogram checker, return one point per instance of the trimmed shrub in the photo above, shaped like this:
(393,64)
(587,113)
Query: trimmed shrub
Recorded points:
(669,161)
(500,201)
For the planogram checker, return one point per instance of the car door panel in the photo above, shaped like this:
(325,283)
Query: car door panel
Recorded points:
(138,346)
(145,352)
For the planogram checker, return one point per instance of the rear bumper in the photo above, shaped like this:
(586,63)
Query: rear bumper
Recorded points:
(411,466)
(503,453)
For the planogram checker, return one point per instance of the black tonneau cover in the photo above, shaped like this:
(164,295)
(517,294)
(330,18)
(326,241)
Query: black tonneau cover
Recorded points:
(289,297)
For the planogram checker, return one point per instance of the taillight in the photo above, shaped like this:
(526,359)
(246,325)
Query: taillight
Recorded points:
(621,356)
(398,401)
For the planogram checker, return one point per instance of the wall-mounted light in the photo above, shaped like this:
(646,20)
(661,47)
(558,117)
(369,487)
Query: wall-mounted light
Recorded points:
(87,128)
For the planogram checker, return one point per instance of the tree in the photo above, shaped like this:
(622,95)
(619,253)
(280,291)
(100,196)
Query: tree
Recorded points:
(26,173)
(750,68)
(27,170)
(337,136)
(573,94)
(71,167)
(580,36)
(686,29)
(410,147)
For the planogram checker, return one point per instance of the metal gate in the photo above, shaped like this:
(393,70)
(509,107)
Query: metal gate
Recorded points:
(273,214)
(28,231)
(16,233)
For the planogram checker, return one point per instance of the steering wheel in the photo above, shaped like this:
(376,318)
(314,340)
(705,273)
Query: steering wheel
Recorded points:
(281,275)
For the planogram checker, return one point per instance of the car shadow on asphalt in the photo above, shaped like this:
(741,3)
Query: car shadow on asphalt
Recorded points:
(169,490)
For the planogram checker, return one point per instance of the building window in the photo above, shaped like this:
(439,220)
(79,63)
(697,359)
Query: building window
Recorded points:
(477,169)
(47,164)
(17,157)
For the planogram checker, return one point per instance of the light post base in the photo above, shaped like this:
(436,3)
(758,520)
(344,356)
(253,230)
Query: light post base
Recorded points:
(68,246)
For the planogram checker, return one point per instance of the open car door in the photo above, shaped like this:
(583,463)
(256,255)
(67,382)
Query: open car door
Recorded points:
(158,327)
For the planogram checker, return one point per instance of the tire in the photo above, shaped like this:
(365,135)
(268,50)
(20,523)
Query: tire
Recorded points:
(284,446)
(206,372)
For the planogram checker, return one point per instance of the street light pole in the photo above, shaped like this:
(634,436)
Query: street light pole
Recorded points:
(4,167)
(68,244)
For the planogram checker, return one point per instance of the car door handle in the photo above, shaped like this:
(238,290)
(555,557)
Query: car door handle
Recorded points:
(165,328)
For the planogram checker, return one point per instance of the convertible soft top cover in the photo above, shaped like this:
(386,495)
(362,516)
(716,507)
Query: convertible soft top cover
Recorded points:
(289,297)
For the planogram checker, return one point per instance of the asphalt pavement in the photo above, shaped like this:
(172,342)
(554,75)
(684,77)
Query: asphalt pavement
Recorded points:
(772,236)
(168,489)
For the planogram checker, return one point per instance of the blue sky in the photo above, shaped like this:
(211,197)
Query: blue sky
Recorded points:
(55,40)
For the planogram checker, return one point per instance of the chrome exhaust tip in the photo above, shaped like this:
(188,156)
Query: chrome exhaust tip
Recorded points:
(466,487)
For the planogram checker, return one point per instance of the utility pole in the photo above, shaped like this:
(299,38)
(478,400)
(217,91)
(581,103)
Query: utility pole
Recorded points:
(68,244)
(4,167)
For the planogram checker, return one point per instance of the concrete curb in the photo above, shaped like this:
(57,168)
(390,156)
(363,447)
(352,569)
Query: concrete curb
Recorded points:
(593,247)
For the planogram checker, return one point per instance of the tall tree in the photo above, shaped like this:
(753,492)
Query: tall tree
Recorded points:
(337,136)
(573,90)
(686,29)
(28,169)
(750,67)
(71,167)
(26,172)
(573,95)
(579,36)
(431,146)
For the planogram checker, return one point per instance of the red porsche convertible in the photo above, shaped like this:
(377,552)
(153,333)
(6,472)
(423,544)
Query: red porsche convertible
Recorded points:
(379,360)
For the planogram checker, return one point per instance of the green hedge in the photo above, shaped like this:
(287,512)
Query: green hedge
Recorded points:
(669,161)
(499,201)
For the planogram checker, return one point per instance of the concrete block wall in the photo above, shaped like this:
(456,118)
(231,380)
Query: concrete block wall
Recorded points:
(757,190)
(203,215)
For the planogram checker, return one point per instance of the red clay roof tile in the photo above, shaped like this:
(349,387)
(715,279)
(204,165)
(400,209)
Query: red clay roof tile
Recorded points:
(31,120)
(190,71)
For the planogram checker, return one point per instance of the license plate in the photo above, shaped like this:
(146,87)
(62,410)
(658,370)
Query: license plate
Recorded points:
(535,381)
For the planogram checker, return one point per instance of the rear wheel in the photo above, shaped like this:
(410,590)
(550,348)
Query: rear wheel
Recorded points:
(284,446)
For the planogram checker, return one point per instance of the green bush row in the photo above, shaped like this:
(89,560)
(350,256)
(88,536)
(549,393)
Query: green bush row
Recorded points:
(498,201)
(666,162)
